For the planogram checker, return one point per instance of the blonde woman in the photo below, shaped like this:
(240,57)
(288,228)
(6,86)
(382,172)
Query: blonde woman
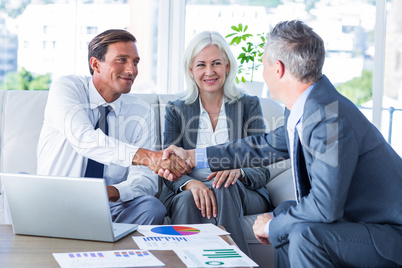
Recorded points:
(214,111)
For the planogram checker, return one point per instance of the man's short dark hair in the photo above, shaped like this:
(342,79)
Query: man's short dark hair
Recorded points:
(99,44)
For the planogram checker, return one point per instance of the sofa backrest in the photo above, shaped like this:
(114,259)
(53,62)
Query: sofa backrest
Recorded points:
(21,119)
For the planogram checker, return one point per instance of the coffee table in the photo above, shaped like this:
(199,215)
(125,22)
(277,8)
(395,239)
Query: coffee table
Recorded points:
(35,251)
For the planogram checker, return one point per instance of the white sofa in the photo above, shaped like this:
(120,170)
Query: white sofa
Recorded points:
(21,116)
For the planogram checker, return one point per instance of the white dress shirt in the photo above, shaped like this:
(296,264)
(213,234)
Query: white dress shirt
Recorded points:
(206,136)
(68,137)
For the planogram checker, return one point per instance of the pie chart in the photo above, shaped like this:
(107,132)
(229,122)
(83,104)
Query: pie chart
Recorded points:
(175,230)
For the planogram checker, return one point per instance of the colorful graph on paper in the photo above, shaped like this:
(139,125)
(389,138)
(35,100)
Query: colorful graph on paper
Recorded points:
(181,230)
(230,256)
(175,242)
(220,253)
(115,258)
(175,230)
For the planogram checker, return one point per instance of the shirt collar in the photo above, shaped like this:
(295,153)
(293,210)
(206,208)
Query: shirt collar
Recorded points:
(203,111)
(96,99)
(296,113)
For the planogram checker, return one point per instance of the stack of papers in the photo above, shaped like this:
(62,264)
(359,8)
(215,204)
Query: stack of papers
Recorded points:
(197,245)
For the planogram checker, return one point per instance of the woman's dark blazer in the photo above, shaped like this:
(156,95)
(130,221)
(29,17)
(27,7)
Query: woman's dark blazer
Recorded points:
(244,118)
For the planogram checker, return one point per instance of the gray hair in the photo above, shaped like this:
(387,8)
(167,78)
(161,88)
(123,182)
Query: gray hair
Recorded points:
(198,43)
(299,48)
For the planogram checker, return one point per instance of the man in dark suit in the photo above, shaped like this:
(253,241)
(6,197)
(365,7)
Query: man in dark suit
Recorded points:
(348,180)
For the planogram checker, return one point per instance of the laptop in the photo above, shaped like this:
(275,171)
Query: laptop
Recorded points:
(63,207)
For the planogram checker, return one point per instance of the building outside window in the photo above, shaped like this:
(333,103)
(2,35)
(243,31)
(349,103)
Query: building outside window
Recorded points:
(93,30)
(51,37)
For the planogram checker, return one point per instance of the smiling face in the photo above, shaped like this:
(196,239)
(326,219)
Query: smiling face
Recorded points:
(115,75)
(209,70)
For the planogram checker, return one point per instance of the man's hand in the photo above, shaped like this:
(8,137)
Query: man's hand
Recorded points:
(153,160)
(230,176)
(204,198)
(188,156)
(112,193)
(259,226)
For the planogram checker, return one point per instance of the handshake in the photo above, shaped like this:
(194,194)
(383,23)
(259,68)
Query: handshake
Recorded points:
(170,163)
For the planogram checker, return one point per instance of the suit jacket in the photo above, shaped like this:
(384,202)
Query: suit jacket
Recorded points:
(354,173)
(181,127)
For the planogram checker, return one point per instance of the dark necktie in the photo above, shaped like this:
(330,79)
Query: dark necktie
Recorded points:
(94,168)
(302,179)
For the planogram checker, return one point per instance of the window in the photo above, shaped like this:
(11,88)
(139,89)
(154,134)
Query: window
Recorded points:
(49,33)
(345,26)
(392,86)
(40,35)
(348,30)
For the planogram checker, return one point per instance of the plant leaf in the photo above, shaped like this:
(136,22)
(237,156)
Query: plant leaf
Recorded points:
(229,35)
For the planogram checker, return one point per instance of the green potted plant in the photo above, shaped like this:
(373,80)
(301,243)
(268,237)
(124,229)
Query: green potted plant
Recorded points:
(250,56)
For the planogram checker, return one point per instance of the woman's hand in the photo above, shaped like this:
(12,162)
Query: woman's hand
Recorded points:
(204,198)
(230,176)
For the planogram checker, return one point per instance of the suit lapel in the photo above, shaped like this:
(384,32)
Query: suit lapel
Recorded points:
(234,120)
(191,122)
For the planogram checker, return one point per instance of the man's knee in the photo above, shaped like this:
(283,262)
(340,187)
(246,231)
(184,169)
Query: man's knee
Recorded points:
(155,211)
(141,210)
(304,232)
